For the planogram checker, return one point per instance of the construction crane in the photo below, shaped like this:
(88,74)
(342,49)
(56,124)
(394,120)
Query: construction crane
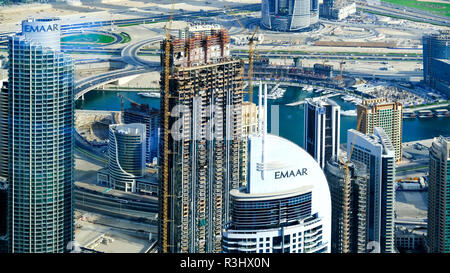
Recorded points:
(128,99)
(347,184)
(341,69)
(251,52)
(165,161)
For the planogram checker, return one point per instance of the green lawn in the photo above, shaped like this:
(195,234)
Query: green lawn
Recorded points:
(433,7)
(126,37)
(88,38)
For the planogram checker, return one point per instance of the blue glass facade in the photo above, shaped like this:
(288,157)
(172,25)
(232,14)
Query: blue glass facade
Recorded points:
(269,213)
(438,237)
(41,143)
(436,61)
(126,155)
(290,15)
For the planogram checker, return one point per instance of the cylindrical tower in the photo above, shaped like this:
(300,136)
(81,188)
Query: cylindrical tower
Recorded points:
(41,119)
(290,15)
(126,155)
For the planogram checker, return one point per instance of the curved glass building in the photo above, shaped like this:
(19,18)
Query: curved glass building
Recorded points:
(286,206)
(40,138)
(290,15)
(126,155)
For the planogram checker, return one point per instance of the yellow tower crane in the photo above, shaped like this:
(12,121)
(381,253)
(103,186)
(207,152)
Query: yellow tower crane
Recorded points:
(251,54)
(165,168)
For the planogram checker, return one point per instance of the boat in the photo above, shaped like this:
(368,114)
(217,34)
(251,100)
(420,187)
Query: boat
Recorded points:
(150,94)
(442,113)
(308,88)
(357,101)
(425,114)
(276,93)
(347,98)
(350,113)
(409,115)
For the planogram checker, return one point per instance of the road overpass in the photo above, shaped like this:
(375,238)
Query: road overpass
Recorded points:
(135,66)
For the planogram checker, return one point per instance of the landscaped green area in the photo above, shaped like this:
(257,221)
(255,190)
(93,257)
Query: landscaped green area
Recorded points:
(433,7)
(125,37)
(144,22)
(88,38)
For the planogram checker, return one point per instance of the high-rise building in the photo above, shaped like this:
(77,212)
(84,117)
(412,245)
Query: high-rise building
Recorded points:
(3,215)
(438,237)
(127,152)
(385,114)
(249,127)
(143,113)
(322,129)
(336,9)
(4,151)
(40,139)
(285,206)
(290,15)
(377,153)
(201,134)
(349,199)
(436,61)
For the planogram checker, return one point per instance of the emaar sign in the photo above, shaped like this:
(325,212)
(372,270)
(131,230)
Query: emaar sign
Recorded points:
(41,28)
(291,173)
(46,32)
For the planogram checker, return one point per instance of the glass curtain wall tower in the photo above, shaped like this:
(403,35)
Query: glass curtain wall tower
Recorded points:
(322,129)
(376,152)
(127,152)
(438,237)
(40,139)
(290,15)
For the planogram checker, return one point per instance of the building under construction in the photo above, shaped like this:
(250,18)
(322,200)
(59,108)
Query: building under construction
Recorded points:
(201,127)
(349,197)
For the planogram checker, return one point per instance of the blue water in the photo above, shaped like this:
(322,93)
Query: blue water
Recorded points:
(291,117)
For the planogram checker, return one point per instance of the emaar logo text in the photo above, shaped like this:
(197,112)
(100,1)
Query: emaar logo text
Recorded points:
(41,28)
(291,173)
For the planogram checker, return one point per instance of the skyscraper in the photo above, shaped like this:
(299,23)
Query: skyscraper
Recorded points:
(438,237)
(249,127)
(285,207)
(385,114)
(377,153)
(336,9)
(436,61)
(40,139)
(322,129)
(290,15)
(4,169)
(201,133)
(143,113)
(349,198)
(127,151)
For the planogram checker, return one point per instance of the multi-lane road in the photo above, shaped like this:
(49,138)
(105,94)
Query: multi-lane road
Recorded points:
(135,66)
(407,13)
(115,205)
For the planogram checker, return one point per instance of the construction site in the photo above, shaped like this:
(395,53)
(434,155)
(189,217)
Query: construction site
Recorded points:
(200,165)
